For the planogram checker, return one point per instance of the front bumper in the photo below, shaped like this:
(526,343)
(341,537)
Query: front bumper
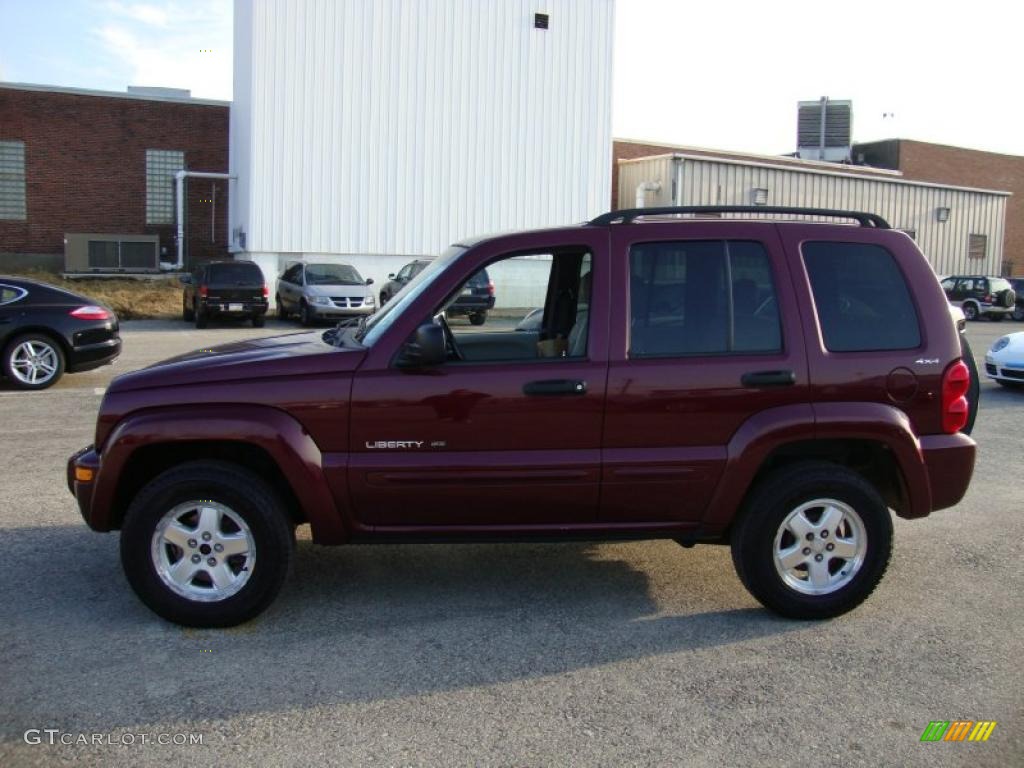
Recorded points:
(331,311)
(85,461)
(1004,371)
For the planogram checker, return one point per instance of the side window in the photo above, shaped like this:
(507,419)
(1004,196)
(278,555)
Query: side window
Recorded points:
(967,284)
(404,273)
(703,297)
(861,297)
(524,307)
(293,274)
(947,284)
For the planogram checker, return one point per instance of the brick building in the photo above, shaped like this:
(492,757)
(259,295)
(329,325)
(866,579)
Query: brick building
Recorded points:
(920,161)
(73,160)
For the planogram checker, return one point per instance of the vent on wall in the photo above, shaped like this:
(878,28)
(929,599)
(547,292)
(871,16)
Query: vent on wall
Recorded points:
(540,21)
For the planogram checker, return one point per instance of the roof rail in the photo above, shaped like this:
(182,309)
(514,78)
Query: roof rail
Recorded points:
(627,215)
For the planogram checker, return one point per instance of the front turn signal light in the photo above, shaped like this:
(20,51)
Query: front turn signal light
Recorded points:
(83,474)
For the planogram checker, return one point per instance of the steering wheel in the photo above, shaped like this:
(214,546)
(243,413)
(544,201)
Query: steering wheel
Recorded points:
(450,343)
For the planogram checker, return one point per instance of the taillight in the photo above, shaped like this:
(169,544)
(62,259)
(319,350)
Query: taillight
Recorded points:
(204,291)
(955,383)
(490,287)
(266,291)
(91,312)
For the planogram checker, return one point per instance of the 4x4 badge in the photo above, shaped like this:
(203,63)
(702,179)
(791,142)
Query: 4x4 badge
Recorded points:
(927,361)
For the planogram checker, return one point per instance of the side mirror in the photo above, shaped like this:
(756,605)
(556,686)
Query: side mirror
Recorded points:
(369,281)
(186,279)
(391,275)
(426,347)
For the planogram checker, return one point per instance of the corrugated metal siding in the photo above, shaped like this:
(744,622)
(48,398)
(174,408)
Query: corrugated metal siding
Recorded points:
(905,205)
(399,126)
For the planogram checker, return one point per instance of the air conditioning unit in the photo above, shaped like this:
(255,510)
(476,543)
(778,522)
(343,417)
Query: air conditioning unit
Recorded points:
(825,130)
(85,253)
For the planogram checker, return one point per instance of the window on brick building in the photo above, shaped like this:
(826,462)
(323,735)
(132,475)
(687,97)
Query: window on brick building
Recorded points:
(977,246)
(161,165)
(12,180)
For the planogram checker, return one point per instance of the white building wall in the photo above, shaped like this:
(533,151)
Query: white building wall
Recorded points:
(907,205)
(387,129)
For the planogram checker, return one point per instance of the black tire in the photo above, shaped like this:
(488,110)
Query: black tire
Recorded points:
(383,298)
(305,316)
(996,317)
(970,310)
(766,509)
(478,318)
(200,318)
(974,389)
(188,315)
(45,346)
(258,321)
(1018,312)
(282,313)
(249,498)
(1010,384)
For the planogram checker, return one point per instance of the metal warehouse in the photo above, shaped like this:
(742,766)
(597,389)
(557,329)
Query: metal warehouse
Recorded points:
(380,132)
(960,229)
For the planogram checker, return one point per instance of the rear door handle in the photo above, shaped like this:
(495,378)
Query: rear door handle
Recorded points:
(768,379)
(555,387)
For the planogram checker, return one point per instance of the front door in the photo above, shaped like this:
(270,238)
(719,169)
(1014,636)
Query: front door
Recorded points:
(509,435)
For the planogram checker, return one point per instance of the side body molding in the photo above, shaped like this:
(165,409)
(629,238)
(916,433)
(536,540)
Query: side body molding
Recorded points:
(284,439)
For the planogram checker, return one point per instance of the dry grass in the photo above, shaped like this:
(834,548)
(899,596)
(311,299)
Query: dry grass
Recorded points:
(130,299)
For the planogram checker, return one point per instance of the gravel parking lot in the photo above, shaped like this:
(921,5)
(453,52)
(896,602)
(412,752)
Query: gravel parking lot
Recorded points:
(555,654)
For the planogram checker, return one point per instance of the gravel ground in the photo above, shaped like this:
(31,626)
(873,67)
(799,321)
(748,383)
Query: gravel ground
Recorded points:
(555,654)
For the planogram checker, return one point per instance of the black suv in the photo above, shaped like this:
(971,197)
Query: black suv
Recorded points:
(224,289)
(977,296)
(475,301)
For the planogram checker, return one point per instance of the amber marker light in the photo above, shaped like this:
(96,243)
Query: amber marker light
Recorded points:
(83,474)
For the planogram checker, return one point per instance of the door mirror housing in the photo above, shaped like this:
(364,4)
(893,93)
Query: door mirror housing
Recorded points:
(427,347)
(369,281)
(391,275)
(186,279)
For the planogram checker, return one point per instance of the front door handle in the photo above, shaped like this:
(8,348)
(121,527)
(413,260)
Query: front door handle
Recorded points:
(555,387)
(768,379)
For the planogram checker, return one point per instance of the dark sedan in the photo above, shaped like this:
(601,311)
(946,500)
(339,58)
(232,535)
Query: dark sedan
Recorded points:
(46,332)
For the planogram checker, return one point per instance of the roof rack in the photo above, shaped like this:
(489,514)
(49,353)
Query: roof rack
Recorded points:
(628,215)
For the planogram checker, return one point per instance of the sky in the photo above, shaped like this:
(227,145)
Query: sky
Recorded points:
(725,75)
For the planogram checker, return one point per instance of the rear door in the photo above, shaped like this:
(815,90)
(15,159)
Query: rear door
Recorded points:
(239,282)
(712,339)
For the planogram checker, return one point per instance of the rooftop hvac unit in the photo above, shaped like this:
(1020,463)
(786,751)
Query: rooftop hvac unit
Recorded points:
(111,253)
(825,130)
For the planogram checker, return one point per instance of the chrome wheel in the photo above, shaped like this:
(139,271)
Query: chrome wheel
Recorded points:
(820,547)
(34,362)
(203,551)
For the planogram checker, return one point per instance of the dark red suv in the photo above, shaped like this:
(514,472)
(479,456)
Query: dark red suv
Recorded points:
(765,381)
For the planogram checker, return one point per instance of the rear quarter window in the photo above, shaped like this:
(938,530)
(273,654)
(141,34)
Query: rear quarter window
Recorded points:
(861,297)
(11,293)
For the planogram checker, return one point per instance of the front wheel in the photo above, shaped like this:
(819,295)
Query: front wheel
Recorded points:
(1018,312)
(996,317)
(188,315)
(282,313)
(813,541)
(206,544)
(970,311)
(1010,384)
(305,315)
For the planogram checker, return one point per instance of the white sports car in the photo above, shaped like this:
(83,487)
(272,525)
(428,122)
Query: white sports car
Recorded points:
(1004,362)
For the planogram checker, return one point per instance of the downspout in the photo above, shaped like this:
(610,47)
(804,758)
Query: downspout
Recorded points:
(645,186)
(179,195)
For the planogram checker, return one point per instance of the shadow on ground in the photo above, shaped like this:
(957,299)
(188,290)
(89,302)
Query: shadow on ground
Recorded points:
(354,624)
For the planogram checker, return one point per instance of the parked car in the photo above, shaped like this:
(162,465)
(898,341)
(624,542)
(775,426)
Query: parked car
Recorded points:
(775,385)
(323,292)
(46,332)
(219,289)
(475,301)
(1017,283)
(1004,362)
(991,297)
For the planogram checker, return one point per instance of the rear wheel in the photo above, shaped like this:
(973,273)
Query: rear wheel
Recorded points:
(996,317)
(1010,384)
(33,361)
(1018,312)
(188,315)
(812,541)
(206,544)
(200,317)
(258,321)
(478,318)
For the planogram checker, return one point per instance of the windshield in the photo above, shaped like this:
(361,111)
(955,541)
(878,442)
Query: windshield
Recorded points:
(378,324)
(332,274)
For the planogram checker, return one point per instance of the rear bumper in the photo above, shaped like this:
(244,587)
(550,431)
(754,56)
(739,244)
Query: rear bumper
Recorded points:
(89,356)
(465,305)
(949,460)
(226,308)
